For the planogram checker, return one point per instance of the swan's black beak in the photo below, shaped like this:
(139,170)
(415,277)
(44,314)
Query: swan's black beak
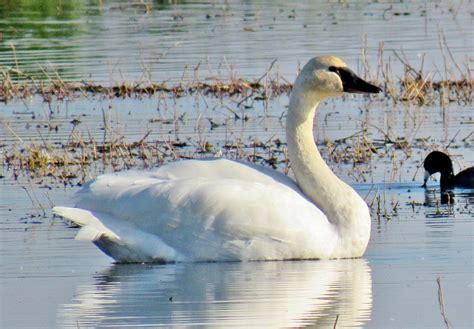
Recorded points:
(351,83)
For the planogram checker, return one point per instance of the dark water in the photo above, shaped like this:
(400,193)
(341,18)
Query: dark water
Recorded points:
(47,279)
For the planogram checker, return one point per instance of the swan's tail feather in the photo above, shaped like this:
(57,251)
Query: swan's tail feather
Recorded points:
(92,229)
(119,239)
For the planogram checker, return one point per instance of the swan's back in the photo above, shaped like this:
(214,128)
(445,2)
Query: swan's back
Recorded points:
(205,210)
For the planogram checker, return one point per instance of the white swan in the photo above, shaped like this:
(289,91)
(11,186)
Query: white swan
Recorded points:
(222,210)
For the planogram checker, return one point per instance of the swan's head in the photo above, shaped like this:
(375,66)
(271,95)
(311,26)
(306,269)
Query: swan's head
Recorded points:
(330,76)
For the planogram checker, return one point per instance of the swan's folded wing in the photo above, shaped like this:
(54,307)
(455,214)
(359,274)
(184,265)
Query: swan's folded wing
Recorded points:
(91,227)
(207,218)
(119,239)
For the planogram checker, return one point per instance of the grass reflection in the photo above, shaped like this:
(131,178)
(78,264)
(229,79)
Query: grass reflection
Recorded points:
(40,9)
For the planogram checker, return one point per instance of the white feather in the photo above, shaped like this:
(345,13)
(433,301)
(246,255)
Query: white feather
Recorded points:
(92,228)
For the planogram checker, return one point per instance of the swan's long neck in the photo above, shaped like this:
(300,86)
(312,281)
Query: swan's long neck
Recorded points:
(345,209)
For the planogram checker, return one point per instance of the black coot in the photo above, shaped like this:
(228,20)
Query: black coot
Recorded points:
(440,162)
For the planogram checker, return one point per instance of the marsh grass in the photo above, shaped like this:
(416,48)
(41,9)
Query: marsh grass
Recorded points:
(23,87)
(381,207)
(451,83)
(81,157)
(419,85)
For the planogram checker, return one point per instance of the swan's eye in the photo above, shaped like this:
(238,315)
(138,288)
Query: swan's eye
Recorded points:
(333,69)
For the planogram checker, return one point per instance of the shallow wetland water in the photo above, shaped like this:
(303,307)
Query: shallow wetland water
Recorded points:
(47,279)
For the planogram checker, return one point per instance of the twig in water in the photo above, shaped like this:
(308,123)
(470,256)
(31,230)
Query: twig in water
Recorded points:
(441,304)
(335,322)
(267,71)
(34,200)
(452,139)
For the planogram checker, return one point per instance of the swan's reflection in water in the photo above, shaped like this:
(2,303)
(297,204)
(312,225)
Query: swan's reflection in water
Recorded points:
(256,294)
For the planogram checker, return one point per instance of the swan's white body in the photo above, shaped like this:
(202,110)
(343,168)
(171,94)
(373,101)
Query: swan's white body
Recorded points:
(222,210)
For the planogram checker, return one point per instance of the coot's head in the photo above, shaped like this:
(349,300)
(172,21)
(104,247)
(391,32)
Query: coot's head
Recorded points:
(437,162)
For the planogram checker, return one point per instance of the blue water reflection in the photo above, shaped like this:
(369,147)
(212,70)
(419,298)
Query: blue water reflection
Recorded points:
(258,294)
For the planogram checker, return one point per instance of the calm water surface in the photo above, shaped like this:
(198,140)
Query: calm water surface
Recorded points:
(108,41)
(61,282)
(47,279)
